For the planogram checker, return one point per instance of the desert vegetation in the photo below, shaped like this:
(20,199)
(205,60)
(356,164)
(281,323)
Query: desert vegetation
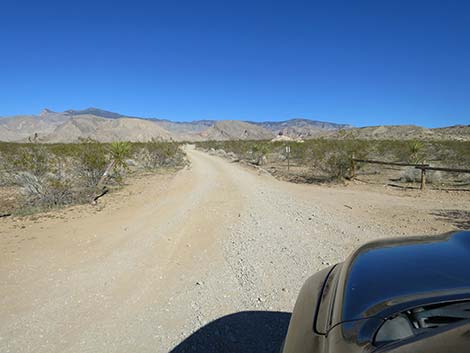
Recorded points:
(327,160)
(44,176)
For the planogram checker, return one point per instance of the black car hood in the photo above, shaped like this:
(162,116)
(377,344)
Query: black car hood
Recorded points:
(387,276)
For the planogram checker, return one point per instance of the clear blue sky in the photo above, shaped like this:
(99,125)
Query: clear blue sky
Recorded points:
(358,62)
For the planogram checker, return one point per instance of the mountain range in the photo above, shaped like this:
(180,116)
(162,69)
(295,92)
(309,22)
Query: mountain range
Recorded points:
(106,126)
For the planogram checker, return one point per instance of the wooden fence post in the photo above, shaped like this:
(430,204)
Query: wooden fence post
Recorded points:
(288,158)
(423,178)
(288,162)
(353,167)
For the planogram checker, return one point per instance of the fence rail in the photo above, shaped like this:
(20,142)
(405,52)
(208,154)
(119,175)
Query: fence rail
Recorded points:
(423,167)
(390,163)
(442,169)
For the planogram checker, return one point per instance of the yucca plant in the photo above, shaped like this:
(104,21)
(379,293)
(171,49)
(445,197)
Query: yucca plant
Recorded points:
(416,151)
(118,151)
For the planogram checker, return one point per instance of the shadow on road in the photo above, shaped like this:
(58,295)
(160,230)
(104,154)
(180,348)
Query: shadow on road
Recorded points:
(459,218)
(243,332)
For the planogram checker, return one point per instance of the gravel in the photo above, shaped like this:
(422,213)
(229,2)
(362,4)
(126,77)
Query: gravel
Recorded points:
(210,260)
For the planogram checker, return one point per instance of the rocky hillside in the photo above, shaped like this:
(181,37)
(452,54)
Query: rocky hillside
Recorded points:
(107,130)
(301,128)
(459,132)
(105,126)
(22,127)
(404,132)
(236,130)
(185,130)
(70,126)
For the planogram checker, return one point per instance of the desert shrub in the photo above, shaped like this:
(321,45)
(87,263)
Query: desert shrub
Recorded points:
(32,158)
(456,154)
(413,175)
(258,152)
(60,192)
(333,158)
(389,150)
(156,154)
(410,175)
(336,165)
(91,164)
(330,158)
(17,158)
(31,184)
(52,175)
(434,177)
(5,179)
(46,191)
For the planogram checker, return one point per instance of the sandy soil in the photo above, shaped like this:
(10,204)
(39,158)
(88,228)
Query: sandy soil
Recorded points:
(207,260)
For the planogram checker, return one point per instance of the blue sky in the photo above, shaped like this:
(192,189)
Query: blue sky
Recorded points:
(357,62)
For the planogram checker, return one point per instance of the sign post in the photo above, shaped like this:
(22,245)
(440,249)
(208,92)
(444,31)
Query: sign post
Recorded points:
(288,158)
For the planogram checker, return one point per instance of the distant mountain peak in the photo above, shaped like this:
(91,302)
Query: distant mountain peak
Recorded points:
(45,112)
(95,111)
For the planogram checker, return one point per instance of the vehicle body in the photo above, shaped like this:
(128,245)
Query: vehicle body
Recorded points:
(398,295)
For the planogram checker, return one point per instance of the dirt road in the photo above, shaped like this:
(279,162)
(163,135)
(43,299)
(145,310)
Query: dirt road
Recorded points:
(209,260)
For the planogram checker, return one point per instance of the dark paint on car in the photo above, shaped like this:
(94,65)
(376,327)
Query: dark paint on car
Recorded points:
(387,296)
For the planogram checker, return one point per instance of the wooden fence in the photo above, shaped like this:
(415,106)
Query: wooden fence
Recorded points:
(422,167)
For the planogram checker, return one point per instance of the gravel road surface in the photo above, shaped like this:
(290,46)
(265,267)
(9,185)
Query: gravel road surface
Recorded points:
(208,260)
